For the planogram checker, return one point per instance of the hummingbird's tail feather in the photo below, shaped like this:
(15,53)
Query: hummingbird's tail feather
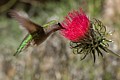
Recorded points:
(25,44)
(16,53)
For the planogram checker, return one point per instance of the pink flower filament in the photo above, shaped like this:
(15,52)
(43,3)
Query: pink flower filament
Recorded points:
(76,25)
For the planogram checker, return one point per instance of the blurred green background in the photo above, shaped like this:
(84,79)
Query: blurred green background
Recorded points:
(54,60)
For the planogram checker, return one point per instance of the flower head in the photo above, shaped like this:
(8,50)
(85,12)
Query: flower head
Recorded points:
(87,37)
(76,26)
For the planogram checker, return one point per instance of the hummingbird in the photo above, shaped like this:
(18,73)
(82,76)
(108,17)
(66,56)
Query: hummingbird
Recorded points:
(37,34)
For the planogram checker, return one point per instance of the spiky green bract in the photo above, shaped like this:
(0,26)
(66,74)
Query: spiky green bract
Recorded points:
(24,44)
(95,41)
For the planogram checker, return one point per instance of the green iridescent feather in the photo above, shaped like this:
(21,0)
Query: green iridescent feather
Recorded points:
(24,43)
(49,23)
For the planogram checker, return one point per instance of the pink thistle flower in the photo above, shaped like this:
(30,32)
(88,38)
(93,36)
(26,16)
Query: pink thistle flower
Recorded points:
(76,26)
(87,37)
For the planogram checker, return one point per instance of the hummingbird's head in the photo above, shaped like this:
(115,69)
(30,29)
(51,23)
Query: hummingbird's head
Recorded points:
(56,27)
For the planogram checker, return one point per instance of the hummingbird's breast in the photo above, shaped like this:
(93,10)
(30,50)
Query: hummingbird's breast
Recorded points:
(39,37)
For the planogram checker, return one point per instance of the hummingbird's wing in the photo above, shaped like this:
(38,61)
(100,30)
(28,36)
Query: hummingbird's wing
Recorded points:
(24,20)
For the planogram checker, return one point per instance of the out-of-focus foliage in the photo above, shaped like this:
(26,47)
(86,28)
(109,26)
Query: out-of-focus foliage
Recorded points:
(54,60)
